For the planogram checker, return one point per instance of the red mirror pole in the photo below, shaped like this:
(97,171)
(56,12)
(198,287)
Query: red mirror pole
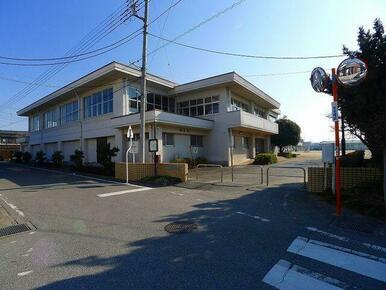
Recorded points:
(337,156)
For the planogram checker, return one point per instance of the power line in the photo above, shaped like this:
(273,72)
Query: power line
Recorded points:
(245,55)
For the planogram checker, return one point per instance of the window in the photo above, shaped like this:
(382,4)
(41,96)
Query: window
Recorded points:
(50,119)
(69,112)
(260,112)
(199,107)
(134,100)
(102,146)
(236,105)
(136,136)
(35,123)
(167,139)
(244,142)
(99,103)
(159,102)
(196,141)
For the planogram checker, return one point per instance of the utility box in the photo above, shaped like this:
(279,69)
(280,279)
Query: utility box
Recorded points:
(328,151)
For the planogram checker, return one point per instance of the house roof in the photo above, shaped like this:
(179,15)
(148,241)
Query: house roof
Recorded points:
(114,70)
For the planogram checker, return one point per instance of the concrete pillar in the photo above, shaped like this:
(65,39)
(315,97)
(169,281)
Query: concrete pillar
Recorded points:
(253,147)
(267,144)
(119,143)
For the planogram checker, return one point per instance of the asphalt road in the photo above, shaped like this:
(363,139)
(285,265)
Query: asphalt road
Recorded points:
(93,234)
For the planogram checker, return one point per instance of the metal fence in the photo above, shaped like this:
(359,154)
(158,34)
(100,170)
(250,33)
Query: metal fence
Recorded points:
(288,167)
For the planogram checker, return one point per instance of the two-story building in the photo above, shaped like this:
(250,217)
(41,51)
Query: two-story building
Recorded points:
(203,118)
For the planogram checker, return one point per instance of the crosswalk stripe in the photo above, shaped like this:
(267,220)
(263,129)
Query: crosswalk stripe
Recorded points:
(285,276)
(360,263)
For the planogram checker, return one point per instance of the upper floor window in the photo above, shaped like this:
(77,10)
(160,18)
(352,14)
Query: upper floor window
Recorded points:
(134,97)
(237,105)
(69,112)
(35,123)
(159,102)
(199,107)
(99,103)
(260,112)
(50,119)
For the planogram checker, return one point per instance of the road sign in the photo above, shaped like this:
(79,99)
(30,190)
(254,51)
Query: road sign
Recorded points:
(130,133)
(334,111)
(134,147)
(153,145)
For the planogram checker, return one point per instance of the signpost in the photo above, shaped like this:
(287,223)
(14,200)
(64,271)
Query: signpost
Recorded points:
(130,137)
(153,147)
(350,73)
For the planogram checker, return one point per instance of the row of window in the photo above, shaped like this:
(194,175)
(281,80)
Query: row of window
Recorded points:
(97,104)
(199,107)
(195,140)
(237,105)
(153,101)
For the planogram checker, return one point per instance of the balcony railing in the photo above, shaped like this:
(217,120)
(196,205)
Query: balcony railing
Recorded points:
(245,119)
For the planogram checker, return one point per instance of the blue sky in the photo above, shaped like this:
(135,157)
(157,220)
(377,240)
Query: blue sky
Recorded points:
(46,28)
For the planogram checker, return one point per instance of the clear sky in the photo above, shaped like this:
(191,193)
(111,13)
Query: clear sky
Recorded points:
(46,28)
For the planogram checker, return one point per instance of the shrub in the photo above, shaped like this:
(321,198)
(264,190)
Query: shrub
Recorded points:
(77,158)
(57,158)
(265,158)
(353,159)
(287,154)
(40,157)
(17,156)
(27,157)
(107,154)
(161,180)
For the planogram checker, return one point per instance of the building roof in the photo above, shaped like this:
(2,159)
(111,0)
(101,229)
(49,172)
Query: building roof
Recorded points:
(114,70)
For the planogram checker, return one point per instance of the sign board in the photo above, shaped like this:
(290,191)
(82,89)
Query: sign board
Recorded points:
(334,111)
(328,152)
(153,145)
(134,147)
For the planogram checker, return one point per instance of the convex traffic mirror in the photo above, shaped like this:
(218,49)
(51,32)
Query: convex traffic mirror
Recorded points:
(319,80)
(351,72)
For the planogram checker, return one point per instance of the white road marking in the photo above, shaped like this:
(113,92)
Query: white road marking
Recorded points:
(25,255)
(14,207)
(31,233)
(13,242)
(24,273)
(285,275)
(370,246)
(123,192)
(29,250)
(360,263)
(253,216)
(176,193)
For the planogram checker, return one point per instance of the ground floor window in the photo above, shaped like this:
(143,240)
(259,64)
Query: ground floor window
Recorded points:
(167,139)
(196,141)
(101,147)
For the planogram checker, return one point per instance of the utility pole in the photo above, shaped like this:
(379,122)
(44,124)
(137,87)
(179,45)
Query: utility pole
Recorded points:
(143,75)
(343,137)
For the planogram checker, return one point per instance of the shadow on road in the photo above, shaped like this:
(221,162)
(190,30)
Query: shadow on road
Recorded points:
(236,243)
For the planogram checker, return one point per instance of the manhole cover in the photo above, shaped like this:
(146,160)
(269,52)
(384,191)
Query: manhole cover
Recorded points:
(14,229)
(180,227)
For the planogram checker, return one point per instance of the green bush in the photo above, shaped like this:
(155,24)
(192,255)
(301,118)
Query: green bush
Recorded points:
(265,158)
(353,159)
(107,154)
(161,180)
(40,157)
(17,156)
(287,154)
(57,158)
(77,158)
(27,157)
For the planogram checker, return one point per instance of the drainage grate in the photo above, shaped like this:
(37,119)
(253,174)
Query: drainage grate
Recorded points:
(14,229)
(180,227)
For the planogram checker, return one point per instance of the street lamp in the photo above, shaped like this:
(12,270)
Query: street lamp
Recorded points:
(350,73)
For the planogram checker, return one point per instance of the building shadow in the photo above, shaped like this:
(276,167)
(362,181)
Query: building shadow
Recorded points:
(237,241)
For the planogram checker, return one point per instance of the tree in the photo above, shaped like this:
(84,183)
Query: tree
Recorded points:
(364,106)
(107,154)
(77,158)
(27,157)
(40,157)
(289,134)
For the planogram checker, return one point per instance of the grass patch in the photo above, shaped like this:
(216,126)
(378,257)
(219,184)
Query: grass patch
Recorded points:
(161,180)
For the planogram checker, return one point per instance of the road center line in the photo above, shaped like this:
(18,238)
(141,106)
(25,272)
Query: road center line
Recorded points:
(123,192)
(24,273)
(252,216)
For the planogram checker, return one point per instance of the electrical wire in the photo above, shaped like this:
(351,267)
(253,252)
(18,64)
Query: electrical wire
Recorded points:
(245,55)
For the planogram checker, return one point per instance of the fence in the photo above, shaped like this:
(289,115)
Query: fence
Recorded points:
(288,167)
(350,177)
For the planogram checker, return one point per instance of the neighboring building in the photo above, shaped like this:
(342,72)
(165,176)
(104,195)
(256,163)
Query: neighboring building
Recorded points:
(197,119)
(10,141)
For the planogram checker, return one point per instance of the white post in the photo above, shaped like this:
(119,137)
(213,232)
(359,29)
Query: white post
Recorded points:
(130,136)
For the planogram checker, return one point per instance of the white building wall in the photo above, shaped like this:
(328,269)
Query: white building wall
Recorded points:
(69,147)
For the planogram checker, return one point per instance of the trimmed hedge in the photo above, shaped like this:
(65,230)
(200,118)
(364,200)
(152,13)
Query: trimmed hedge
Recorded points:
(265,158)
(353,159)
(287,154)
(161,180)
